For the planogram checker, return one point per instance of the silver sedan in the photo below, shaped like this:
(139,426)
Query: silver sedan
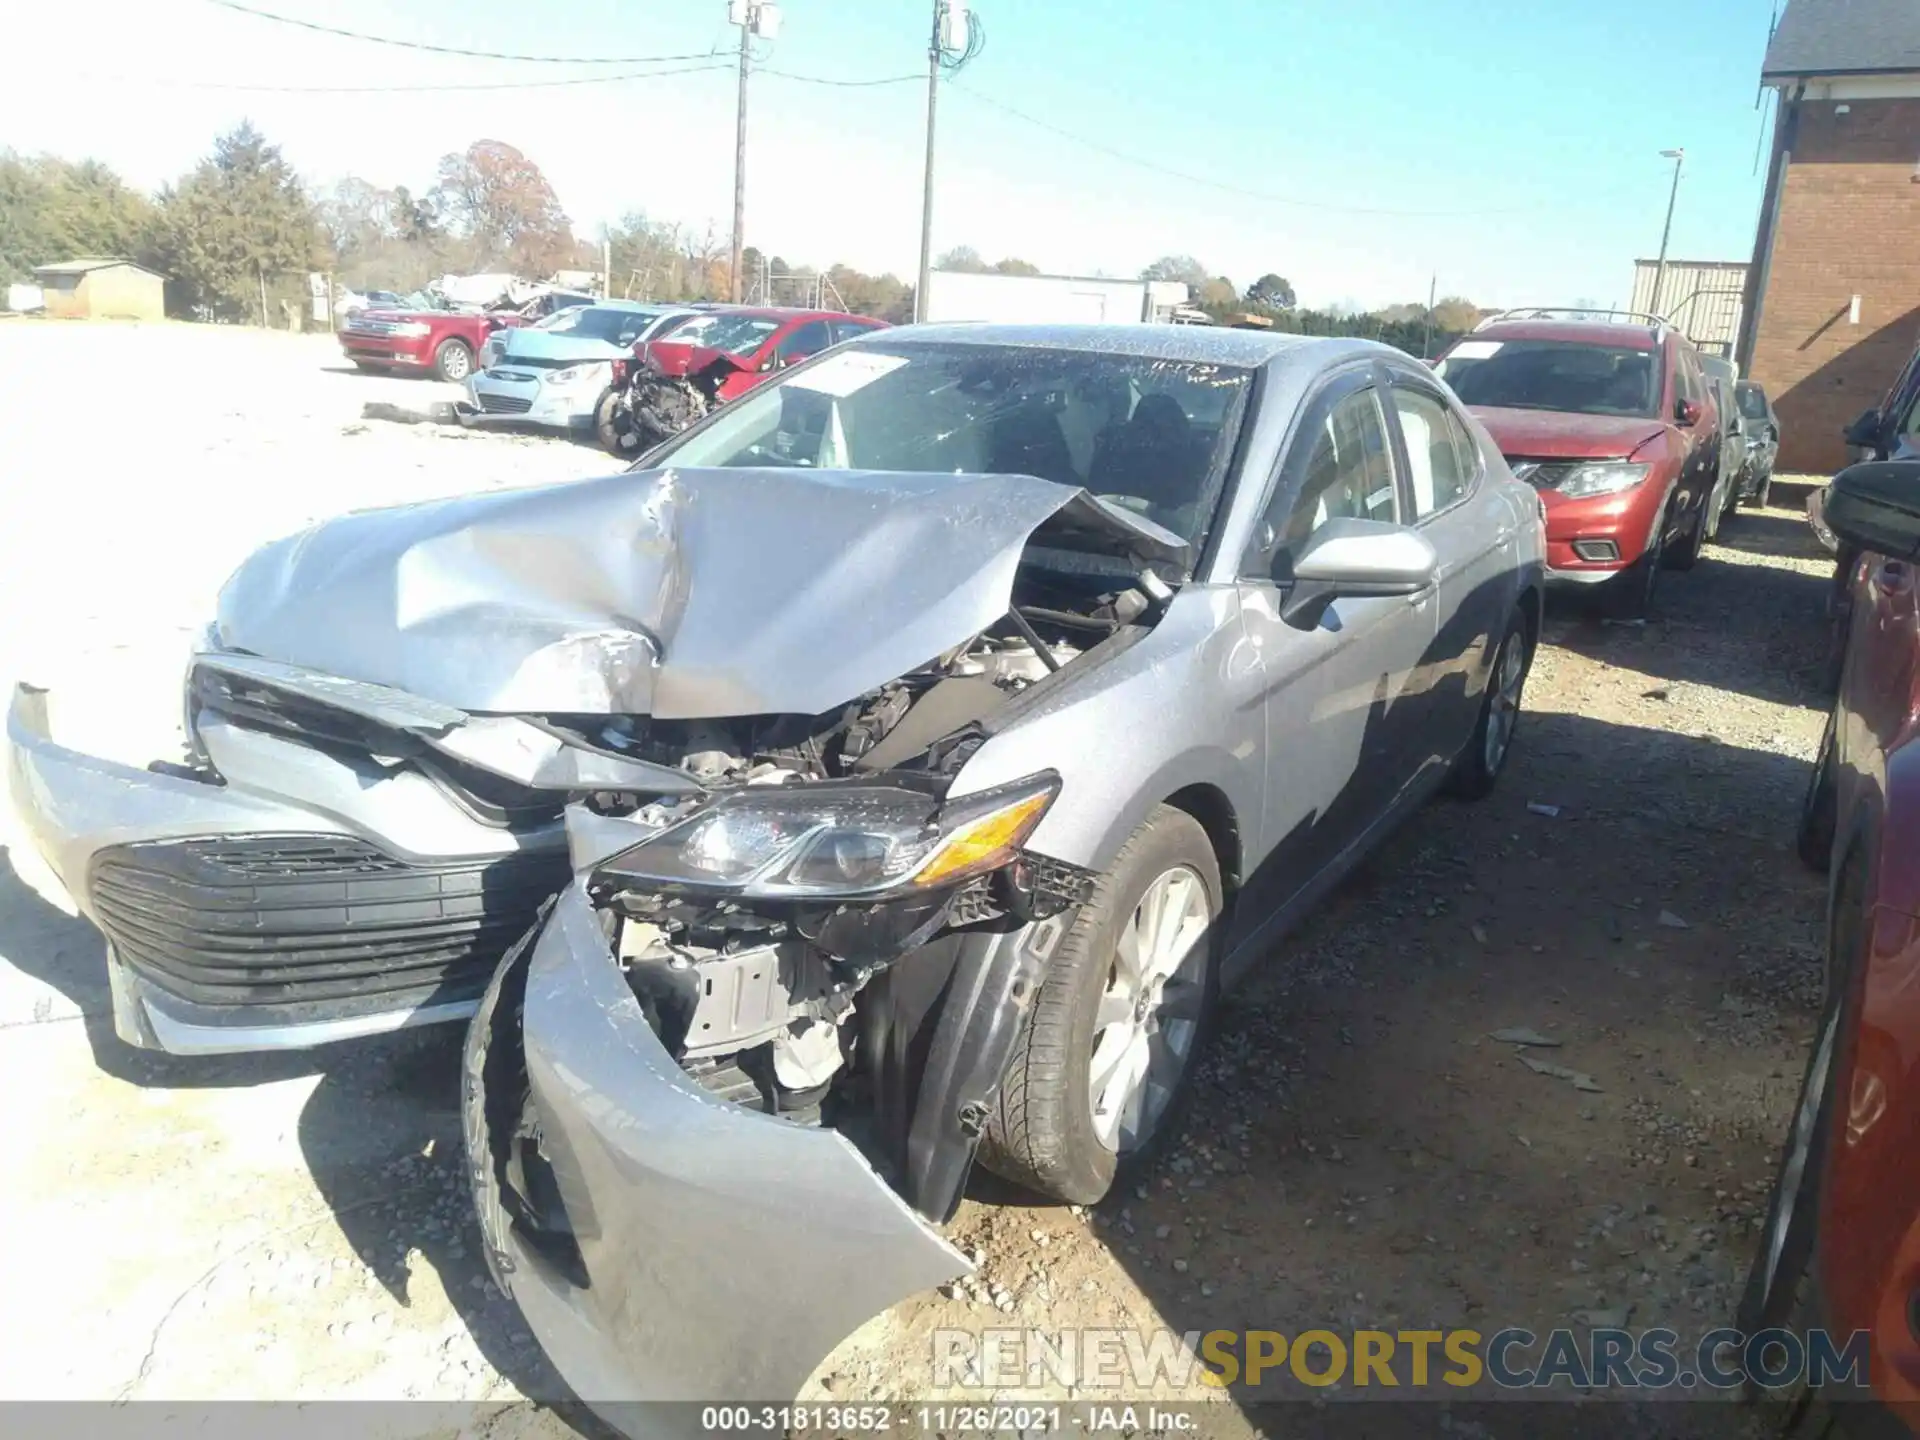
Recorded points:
(892,774)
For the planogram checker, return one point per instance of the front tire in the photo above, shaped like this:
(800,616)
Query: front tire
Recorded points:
(1782,1285)
(1685,554)
(1099,1078)
(1478,768)
(453,361)
(613,427)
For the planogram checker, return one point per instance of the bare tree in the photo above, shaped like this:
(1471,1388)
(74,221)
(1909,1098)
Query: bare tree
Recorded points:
(501,204)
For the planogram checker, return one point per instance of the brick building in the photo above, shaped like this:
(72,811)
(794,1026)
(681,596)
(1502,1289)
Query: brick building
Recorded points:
(1833,294)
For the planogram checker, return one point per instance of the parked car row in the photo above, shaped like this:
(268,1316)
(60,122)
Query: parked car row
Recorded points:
(1638,444)
(891,774)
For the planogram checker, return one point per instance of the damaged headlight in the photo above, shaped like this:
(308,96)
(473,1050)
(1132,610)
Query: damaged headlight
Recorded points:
(842,840)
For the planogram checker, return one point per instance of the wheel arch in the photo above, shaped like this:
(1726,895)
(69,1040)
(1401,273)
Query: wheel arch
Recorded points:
(1209,806)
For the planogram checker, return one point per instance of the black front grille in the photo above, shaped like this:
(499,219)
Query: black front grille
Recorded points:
(280,919)
(536,362)
(505,404)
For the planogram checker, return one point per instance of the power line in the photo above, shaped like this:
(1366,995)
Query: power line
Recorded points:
(1219,185)
(415,89)
(851,84)
(454,49)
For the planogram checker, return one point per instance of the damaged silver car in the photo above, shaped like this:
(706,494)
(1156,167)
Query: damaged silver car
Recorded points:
(893,772)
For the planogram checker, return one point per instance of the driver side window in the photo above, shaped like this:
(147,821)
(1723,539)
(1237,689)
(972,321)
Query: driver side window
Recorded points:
(803,344)
(1348,474)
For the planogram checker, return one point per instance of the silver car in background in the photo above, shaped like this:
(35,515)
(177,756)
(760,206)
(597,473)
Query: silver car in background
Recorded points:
(553,374)
(893,773)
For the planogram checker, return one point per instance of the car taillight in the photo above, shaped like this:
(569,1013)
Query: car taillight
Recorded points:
(620,372)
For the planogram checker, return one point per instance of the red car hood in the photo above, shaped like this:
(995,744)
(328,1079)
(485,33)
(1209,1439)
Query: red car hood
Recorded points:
(1554,434)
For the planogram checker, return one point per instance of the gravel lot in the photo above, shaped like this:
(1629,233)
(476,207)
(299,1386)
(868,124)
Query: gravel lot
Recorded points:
(1362,1153)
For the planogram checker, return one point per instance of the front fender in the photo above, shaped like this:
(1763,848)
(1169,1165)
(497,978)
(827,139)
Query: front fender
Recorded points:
(1183,706)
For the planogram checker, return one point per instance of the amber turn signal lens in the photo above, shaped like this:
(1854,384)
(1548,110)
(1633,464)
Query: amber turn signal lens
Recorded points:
(985,843)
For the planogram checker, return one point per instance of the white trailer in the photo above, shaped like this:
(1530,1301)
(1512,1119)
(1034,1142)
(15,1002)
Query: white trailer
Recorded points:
(1049,299)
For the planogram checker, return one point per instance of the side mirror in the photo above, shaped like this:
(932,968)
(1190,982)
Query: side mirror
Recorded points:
(1686,413)
(1354,558)
(1876,507)
(1865,431)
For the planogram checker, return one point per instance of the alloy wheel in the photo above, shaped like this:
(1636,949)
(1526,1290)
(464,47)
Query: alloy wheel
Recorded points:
(1504,712)
(1149,1015)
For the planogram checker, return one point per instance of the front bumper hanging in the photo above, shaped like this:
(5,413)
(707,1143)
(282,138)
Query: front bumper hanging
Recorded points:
(697,1250)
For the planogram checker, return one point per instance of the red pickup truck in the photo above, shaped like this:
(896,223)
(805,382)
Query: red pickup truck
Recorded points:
(443,341)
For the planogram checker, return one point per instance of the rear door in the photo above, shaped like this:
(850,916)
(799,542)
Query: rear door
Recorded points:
(1342,745)
(1471,524)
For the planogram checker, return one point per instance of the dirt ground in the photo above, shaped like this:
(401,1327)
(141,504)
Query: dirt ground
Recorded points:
(1361,1153)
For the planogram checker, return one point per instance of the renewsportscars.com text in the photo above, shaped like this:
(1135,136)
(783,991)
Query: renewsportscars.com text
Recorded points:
(1381,1361)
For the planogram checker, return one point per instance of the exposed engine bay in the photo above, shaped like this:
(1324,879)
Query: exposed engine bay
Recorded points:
(763,1000)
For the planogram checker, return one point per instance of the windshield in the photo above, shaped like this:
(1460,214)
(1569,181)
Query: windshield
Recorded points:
(1563,375)
(1753,401)
(1152,436)
(599,322)
(549,322)
(735,334)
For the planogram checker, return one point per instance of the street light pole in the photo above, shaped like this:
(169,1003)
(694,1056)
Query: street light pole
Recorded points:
(1660,266)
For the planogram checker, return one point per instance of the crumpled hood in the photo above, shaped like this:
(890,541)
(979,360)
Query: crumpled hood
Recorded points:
(676,357)
(1559,435)
(673,593)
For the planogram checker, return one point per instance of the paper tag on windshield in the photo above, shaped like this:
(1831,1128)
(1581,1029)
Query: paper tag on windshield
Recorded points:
(841,375)
(1474,350)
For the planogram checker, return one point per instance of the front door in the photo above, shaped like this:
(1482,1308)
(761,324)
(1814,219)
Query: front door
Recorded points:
(1341,745)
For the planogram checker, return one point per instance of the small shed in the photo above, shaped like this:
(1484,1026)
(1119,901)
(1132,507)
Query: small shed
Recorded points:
(102,289)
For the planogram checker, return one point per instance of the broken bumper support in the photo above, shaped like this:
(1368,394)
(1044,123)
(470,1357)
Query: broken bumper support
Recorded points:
(712,1252)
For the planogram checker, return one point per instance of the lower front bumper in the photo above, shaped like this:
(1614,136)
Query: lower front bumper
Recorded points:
(528,403)
(369,351)
(696,1250)
(241,920)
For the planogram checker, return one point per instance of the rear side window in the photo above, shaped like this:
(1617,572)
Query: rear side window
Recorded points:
(1438,472)
(846,329)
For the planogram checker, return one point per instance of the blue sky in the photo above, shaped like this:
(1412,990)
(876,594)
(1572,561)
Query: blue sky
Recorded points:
(1517,146)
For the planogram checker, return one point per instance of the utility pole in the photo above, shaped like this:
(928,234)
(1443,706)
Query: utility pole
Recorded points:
(1660,266)
(1426,334)
(956,39)
(754,17)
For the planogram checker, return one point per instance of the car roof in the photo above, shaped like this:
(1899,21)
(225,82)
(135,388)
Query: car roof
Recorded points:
(783,313)
(1573,332)
(1203,343)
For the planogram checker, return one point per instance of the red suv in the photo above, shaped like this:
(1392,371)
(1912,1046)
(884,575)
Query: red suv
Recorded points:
(752,343)
(1840,1250)
(1615,425)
